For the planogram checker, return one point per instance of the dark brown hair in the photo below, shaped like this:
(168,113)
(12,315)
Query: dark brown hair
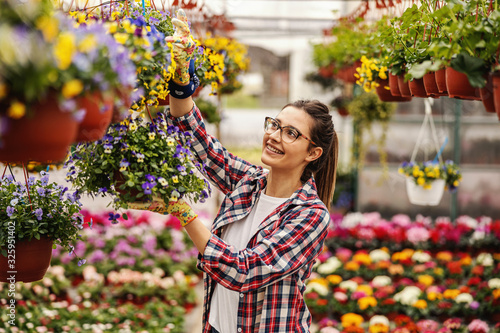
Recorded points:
(323,134)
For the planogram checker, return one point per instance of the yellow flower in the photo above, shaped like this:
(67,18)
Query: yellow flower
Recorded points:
(72,88)
(112,27)
(130,28)
(132,126)
(451,293)
(420,304)
(121,37)
(16,110)
(432,296)
(49,27)
(64,49)
(151,135)
(362,258)
(426,280)
(88,44)
(420,181)
(366,289)
(366,302)
(351,319)
(378,328)
(175,179)
(334,279)
(351,266)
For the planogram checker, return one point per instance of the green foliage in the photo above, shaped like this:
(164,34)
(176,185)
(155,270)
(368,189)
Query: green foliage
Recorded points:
(48,210)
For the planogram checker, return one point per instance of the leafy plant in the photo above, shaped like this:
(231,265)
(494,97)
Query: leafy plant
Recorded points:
(39,209)
(135,161)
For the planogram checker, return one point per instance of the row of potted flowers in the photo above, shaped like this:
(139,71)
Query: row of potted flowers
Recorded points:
(370,231)
(433,49)
(407,282)
(354,323)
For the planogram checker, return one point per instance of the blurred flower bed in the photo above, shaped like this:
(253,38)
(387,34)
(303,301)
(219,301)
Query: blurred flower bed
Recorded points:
(138,277)
(400,275)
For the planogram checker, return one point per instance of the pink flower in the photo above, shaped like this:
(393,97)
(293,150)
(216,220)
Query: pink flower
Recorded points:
(343,254)
(428,325)
(417,234)
(402,220)
(340,296)
(372,218)
(366,233)
(478,326)
(358,295)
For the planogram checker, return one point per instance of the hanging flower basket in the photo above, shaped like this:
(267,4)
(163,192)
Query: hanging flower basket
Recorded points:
(45,136)
(31,261)
(417,88)
(99,113)
(441,81)
(425,197)
(459,86)
(393,85)
(385,95)
(403,85)
(431,86)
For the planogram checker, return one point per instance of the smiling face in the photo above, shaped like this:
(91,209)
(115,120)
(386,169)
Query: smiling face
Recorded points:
(289,157)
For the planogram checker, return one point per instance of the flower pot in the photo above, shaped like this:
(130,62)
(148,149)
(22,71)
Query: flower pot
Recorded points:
(343,111)
(43,137)
(32,259)
(496,92)
(97,119)
(404,87)
(487,95)
(459,86)
(441,81)
(425,197)
(430,85)
(393,85)
(417,88)
(385,95)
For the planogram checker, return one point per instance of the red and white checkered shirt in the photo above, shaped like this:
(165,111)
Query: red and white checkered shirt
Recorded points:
(270,273)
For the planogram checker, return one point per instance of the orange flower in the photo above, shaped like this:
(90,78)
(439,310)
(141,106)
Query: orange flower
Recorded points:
(396,269)
(351,319)
(466,260)
(451,293)
(444,256)
(496,293)
(383,264)
(366,302)
(351,266)
(334,279)
(378,328)
(420,304)
(322,302)
(426,280)
(362,258)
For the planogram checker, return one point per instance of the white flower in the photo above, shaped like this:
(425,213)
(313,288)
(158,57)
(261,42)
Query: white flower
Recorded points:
(352,220)
(329,266)
(477,235)
(317,287)
(379,255)
(349,285)
(467,221)
(485,259)
(494,283)
(329,330)
(408,296)
(421,257)
(381,281)
(464,298)
(379,320)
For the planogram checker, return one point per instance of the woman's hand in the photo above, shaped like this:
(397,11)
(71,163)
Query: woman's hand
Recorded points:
(180,209)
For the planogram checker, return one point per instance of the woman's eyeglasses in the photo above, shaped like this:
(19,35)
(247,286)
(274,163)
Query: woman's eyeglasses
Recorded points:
(288,133)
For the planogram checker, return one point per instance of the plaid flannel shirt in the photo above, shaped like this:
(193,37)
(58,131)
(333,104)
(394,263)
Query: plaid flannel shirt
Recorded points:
(270,273)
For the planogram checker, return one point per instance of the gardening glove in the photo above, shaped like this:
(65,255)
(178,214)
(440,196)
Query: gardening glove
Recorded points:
(182,211)
(183,47)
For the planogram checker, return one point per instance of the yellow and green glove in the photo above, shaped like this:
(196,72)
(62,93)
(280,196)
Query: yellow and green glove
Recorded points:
(179,209)
(184,81)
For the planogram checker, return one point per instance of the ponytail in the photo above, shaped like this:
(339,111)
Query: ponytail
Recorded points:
(324,169)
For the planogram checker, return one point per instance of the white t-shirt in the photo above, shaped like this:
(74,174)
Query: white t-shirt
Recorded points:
(224,304)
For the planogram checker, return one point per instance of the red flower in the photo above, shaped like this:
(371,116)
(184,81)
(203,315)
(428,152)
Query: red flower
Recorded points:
(445,305)
(474,281)
(477,270)
(455,267)
(402,320)
(388,301)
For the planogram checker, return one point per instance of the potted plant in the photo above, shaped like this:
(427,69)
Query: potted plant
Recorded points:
(137,160)
(426,181)
(367,109)
(340,104)
(36,217)
(44,89)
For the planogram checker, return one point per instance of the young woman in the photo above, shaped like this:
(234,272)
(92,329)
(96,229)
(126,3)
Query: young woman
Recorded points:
(272,223)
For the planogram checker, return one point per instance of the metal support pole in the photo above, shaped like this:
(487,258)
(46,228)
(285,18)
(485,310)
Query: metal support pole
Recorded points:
(456,155)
